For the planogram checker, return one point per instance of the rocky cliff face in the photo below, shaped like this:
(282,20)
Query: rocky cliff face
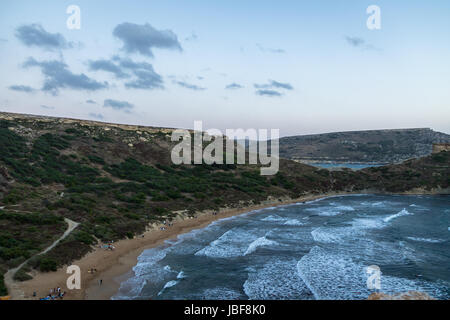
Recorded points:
(383,146)
(439,147)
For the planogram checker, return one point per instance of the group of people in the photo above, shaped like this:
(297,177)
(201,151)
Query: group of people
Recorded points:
(166,224)
(54,294)
(108,246)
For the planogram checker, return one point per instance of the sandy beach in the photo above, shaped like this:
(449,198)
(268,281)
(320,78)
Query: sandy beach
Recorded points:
(113,267)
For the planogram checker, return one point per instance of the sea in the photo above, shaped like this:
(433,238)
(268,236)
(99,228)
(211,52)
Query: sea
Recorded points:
(335,248)
(353,166)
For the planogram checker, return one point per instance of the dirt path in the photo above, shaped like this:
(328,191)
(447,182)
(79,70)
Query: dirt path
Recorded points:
(13,289)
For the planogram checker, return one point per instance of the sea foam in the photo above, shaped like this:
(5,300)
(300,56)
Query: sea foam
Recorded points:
(260,242)
(426,240)
(276,280)
(169,284)
(230,244)
(402,213)
(334,276)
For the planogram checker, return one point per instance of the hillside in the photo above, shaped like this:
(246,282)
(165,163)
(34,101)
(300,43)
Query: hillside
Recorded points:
(114,180)
(381,146)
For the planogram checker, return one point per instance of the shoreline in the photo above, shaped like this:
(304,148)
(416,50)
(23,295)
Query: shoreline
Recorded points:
(114,267)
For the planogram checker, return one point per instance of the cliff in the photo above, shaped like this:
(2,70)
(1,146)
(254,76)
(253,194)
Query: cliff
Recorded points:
(381,146)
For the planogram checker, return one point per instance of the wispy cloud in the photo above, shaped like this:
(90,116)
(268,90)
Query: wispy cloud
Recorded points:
(143,73)
(355,41)
(108,66)
(268,93)
(35,35)
(91,101)
(143,38)
(22,88)
(47,107)
(189,86)
(146,77)
(274,84)
(269,50)
(358,42)
(58,76)
(118,105)
(234,86)
(192,37)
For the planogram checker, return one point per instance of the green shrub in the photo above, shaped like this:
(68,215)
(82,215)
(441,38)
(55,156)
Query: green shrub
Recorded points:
(74,131)
(174,194)
(84,237)
(132,216)
(47,265)
(159,210)
(14,196)
(159,198)
(96,159)
(21,275)
(200,195)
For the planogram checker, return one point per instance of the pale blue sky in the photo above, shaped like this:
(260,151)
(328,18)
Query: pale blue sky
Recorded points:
(398,77)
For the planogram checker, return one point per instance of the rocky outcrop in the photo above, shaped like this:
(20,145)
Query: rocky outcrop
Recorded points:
(410,295)
(439,147)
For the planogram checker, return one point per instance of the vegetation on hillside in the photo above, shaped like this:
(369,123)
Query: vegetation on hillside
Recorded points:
(114,182)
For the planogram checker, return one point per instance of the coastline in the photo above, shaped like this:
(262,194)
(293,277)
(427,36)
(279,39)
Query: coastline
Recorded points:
(114,267)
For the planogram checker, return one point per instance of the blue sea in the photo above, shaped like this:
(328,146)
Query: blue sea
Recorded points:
(314,250)
(354,166)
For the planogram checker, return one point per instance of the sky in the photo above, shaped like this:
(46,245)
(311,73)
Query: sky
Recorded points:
(303,67)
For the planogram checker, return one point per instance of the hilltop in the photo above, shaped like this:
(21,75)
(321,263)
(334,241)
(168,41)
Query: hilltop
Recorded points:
(116,180)
(381,146)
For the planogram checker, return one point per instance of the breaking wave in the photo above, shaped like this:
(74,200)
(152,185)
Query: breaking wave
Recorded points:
(169,284)
(294,222)
(260,242)
(230,244)
(426,240)
(333,276)
(402,213)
